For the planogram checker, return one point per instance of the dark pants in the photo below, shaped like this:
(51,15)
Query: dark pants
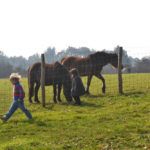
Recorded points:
(77,100)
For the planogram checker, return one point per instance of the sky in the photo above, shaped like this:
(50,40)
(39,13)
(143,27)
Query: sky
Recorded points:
(31,26)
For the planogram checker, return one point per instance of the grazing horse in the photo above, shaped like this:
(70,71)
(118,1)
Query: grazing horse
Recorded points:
(55,74)
(91,65)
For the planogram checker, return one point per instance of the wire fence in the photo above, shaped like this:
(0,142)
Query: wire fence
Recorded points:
(134,81)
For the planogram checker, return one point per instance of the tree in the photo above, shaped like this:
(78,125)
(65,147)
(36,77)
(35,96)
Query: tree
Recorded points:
(5,67)
(60,55)
(126,61)
(50,55)
(18,62)
(142,66)
(33,59)
(81,51)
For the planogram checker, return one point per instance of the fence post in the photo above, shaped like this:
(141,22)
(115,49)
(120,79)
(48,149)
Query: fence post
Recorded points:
(43,79)
(120,83)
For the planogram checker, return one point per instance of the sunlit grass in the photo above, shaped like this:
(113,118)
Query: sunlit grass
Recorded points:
(110,121)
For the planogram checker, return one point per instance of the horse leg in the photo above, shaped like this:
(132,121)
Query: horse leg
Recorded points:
(31,91)
(88,83)
(36,92)
(55,93)
(103,81)
(59,92)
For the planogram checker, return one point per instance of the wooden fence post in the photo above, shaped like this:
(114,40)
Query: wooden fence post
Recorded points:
(120,82)
(43,79)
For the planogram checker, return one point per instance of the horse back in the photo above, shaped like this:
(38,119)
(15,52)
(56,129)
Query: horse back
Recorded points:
(82,64)
(34,73)
(55,73)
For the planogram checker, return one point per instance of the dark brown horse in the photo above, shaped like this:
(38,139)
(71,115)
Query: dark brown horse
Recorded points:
(91,65)
(55,74)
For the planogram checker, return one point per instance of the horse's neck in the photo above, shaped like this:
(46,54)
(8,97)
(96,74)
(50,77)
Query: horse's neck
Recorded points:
(106,60)
(103,62)
(86,59)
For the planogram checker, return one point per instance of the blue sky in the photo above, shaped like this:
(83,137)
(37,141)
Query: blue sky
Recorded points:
(30,26)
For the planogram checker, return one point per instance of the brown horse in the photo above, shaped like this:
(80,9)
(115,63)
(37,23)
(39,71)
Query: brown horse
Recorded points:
(55,74)
(91,65)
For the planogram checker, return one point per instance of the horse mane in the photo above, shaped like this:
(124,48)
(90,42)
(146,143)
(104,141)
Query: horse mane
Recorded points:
(102,57)
(101,54)
(97,56)
(57,64)
(60,69)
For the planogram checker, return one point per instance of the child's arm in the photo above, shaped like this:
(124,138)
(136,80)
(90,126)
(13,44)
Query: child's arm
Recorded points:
(20,92)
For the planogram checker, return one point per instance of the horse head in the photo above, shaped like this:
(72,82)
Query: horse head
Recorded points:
(65,78)
(113,58)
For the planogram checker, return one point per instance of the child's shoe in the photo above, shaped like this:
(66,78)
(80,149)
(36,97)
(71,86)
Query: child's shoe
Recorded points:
(3,118)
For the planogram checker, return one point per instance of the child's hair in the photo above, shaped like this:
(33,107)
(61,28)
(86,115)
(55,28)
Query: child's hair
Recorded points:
(15,76)
(15,79)
(74,71)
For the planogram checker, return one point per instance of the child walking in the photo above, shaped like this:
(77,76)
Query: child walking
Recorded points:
(18,96)
(77,86)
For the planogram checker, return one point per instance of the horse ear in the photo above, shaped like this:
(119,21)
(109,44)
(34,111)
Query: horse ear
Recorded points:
(57,64)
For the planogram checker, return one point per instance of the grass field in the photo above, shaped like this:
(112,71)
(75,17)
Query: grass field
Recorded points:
(102,122)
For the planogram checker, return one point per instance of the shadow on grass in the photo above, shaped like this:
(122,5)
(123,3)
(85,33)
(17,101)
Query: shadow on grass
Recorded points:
(35,121)
(86,104)
(50,106)
(93,96)
(134,94)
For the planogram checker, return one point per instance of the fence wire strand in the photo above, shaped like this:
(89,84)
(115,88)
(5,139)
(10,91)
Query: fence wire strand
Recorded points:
(132,82)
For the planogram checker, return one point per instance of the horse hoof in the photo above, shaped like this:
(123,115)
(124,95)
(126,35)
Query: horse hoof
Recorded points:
(70,102)
(59,100)
(55,102)
(30,102)
(37,102)
(87,92)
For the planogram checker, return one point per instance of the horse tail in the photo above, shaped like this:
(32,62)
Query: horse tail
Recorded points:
(30,83)
(28,77)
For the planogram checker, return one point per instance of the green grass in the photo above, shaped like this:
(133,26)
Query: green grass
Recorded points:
(102,122)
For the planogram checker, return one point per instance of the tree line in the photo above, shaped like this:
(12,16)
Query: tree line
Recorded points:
(21,64)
